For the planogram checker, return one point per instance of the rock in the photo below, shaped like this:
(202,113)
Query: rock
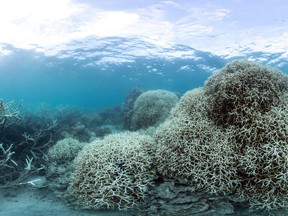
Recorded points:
(176,198)
(222,207)
(165,190)
(186,199)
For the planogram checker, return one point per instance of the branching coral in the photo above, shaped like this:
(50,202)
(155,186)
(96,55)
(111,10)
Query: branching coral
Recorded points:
(7,111)
(151,108)
(232,135)
(253,100)
(191,146)
(64,150)
(263,159)
(59,166)
(242,88)
(115,172)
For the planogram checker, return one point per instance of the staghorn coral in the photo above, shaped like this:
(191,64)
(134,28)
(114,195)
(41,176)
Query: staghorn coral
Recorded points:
(59,166)
(115,172)
(242,88)
(193,103)
(151,108)
(263,158)
(64,150)
(128,104)
(231,136)
(252,100)
(191,146)
(263,176)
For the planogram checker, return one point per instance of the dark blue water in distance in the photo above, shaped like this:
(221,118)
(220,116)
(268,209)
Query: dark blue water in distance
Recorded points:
(67,80)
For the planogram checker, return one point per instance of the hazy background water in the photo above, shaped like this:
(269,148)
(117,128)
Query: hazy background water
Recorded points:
(81,78)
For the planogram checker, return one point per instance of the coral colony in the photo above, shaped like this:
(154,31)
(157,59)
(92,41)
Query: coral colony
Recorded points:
(220,146)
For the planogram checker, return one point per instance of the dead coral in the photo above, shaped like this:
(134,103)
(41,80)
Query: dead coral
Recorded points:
(191,146)
(263,159)
(64,150)
(231,136)
(151,108)
(242,88)
(115,172)
(59,166)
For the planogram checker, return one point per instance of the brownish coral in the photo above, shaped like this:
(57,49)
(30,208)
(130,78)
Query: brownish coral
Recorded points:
(242,88)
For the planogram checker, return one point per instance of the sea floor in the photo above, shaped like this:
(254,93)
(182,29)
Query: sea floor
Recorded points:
(41,202)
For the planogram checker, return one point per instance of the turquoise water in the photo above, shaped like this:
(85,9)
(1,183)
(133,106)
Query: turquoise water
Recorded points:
(78,78)
(76,66)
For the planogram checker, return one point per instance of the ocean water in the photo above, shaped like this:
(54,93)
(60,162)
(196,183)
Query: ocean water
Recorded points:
(82,81)
(76,80)
(73,73)
(81,77)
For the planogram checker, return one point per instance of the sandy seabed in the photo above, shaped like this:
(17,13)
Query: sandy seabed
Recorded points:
(41,202)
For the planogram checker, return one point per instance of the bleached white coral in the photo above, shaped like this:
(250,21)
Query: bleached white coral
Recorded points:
(151,108)
(64,150)
(115,172)
(191,146)
(242,88)
(231,136)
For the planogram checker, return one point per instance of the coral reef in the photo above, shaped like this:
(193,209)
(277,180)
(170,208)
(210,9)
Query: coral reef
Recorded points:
(262,151)
(241,89)
(102,131)
(64,150)
(230,137)
(86,126)
(115,172)
(76,124)
(112,115)
(131,98)
(24,139)
(59,166)
(191,146)
(127,106)
(177,197)
(221,146)
(251,99)
(151,108)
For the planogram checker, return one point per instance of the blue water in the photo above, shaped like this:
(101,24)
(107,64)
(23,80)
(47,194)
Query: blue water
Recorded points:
(79,78)
(100,75)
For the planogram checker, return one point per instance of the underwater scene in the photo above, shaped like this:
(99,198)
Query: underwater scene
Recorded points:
(143,108)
